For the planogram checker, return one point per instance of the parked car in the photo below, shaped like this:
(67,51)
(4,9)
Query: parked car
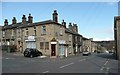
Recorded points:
(95,51)
(110,51)
(99,51)
(86,53)
(32,52)
(106,51)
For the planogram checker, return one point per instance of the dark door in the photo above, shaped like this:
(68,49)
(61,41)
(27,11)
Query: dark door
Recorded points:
(53,51)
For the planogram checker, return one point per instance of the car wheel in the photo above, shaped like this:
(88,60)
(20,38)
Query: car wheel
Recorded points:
(25,54)
(40,54)
(31,56)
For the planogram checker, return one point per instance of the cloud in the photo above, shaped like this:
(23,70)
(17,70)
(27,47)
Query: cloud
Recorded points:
(112,3)
(0,24)
(102,39)
(108,31)
(103,34)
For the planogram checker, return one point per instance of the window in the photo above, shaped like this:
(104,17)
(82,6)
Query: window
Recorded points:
(12,32)
(61,32)
(70,38)
(19,33)
(41,45)
(80,39)
(3,33)
(76,38)
(26,33)
(43,30)
(70,50)
(46,45)
(35,31)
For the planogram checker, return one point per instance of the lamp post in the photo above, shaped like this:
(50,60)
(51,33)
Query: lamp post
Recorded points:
(8,43)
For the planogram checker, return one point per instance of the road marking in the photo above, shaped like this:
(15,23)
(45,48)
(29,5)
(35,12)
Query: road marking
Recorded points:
(106,62)
(18,54)
(102,68)
(45,72)
(9,58)
(107,70)
(6,58)
(66,65)
(82,60)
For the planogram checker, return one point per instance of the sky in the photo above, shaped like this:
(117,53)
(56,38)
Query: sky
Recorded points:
(94,19)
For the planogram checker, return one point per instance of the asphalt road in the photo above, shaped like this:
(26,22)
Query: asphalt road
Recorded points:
(95,63)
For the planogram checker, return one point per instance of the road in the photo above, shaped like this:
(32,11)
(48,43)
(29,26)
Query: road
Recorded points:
(95,63)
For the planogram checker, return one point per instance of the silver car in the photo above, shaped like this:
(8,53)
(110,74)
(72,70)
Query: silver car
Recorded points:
(86,53)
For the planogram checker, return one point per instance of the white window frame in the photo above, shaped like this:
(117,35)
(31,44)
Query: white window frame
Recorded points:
(43,30)
(12,32)
(19,33)
(3,32)
(34,29)
(26,30)
(70,37)
(61,32)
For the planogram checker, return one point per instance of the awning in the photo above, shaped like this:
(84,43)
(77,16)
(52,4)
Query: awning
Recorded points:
(30,40)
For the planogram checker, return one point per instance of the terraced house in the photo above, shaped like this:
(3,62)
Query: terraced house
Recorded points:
(0,36)
(49,36)
(117,35)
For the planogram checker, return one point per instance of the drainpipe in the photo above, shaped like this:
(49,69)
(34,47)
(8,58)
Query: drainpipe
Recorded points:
(66,52)
(76,49)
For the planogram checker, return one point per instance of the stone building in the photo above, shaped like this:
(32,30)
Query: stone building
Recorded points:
(94,46)
(0,36)
(87,44)
(117,36)
(49,36)
(76,41)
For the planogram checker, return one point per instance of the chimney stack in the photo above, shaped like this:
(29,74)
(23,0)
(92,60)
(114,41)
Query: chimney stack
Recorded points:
(75,27)
(6,22)
(23,19)
(55,16)
(64,23)
(70,26)
(14,21)
(30,18)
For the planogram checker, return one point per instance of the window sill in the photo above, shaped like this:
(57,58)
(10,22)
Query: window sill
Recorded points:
(43,34)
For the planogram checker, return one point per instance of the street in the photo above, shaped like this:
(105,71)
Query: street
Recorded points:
(95,63)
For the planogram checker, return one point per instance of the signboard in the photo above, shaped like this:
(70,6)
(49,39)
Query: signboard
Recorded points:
(53,42)
(31,38)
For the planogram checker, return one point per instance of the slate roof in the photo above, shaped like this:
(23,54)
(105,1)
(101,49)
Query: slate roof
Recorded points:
(27,24)
(67,30)
(85,38)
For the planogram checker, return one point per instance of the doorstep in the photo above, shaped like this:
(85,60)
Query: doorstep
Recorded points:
(53,57)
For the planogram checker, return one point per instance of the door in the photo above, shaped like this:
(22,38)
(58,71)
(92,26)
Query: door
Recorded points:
(53,49)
